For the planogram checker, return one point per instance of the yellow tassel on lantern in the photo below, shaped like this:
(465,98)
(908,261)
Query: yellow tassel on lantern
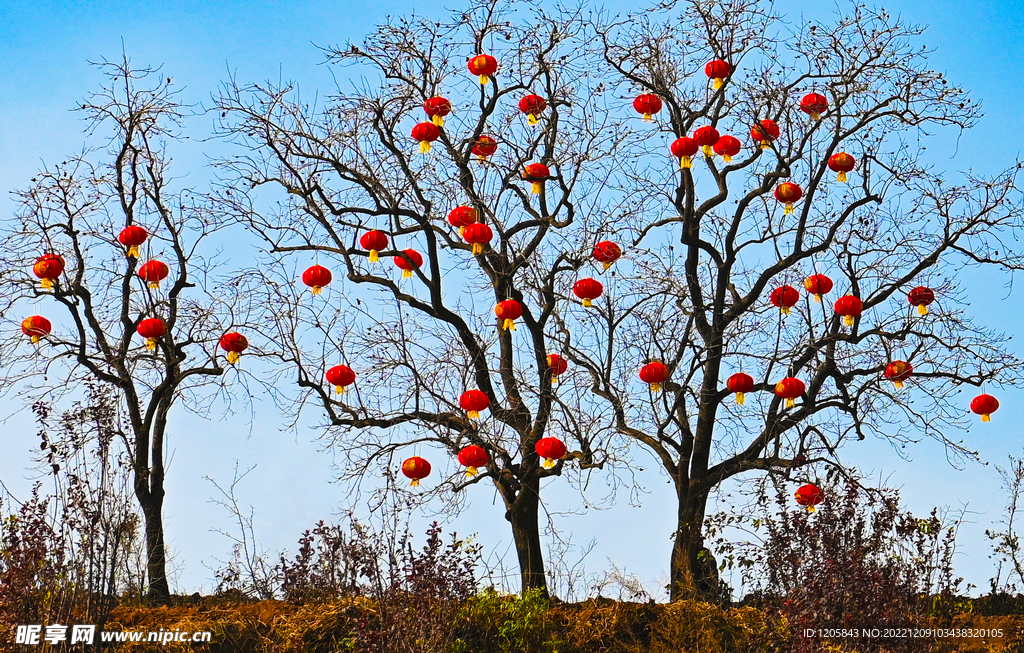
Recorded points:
(554,380)
(478,249)
(133,251)
(587,302)
(438,120)
(483,80)
(789,208)
(922,309)
(708,152)
(532,119)
(339,389)
(150,344)
(898,384)
(648,118)
(35,340)
(509,324)
(374,256)
(415,483)
(765,145)
(685,162)
(741,398)
(785,310)
(233,357)
(815,116)
(718,83)
(986,418)
(316,289)
(537,187)
(842,176)
(817,297)
(549,463)
(424,147)
(726,158)
(154,285)
(790,403)
(655,387)
(607,265)
(46,284)
(406,274)
(848,320)
(811,509)
(471,471)
(473,414)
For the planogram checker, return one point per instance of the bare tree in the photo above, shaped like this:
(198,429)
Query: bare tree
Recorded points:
(705,246)
(716,243)
(97,296)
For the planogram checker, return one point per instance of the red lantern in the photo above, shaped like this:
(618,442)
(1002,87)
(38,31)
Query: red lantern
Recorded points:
(474,401)
(536,173)
(483,65)
(898,372)
(152,329)
(36,327)
(785,297)
(462,217)
(153,272)
(647,104)
(684,148)
(407,267)
(842,163)
(984,405)
(818,285)
(790,389)
(741,384)
(532,105)
(707,137)
(416,468)
(425,133)
(814,105)
(340,376)
(788,193)
(374,241)
(550,449)
(131,237)
(764,132)
(233,343)
(727,147)
(472,457)
(48,269)
(477,234)
(850,308)
(921,297)
(316,278)
(607,252)
(809,495)
(558,366)
(508,312)
(588,290)
(717,70)
(654,374)
(485,146)
(437,108)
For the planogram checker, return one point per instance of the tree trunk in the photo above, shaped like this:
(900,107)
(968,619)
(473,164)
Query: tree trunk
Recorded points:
(152,503)
(526,534)
(692,574)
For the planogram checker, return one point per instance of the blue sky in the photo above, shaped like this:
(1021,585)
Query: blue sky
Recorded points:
(45,47)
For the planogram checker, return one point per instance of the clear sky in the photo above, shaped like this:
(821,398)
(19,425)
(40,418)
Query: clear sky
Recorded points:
(45,48)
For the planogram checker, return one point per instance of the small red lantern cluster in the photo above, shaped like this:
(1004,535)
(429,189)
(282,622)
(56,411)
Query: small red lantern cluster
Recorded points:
(842,163)
(462,217)
(790,389)
(814,104)
(36,327)
(788,193)
(818,285)
(417,469)
(984,405)
(809,495)
(551,450)
(684,149)
(727,147)
(558,366)
(472,457)
(588,290)
(647,104)
(131,237)
(764,133)
(426,133)
(706,138)
(536,174)
(606,252)
(921,297)
(898,372)
(436,109)
(785,297)
(483,65)
(532,106)
(477,234)
(718,70)
(741,384)
(153,272)
(850,308)
(409,263)
(484,147)
(373,242)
